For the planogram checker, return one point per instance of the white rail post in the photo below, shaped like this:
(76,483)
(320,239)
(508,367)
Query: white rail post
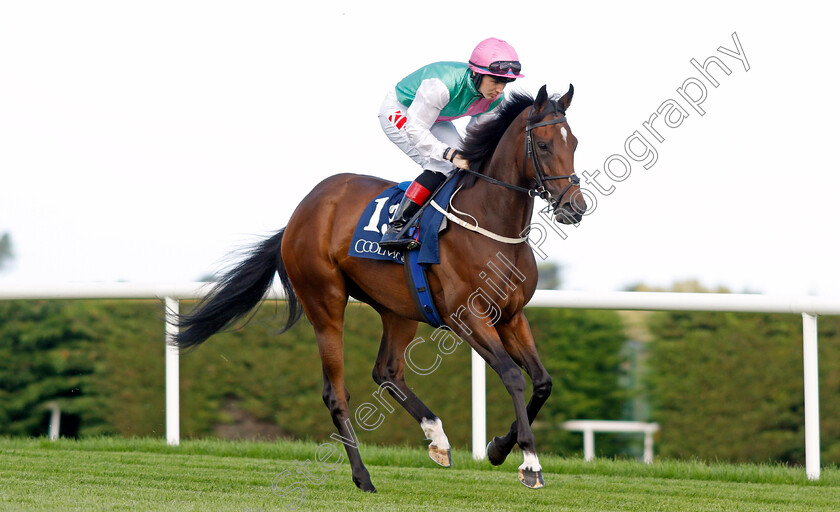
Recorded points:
(55,419)
(812,396)
(479,406)
(173,405)
(588,444)
(648,453)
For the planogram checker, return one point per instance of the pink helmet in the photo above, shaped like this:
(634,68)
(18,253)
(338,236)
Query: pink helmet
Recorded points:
(495,57)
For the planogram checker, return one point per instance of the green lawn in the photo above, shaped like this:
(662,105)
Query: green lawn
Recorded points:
(205,476)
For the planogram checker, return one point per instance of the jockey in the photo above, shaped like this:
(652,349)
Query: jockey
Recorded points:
(417,116)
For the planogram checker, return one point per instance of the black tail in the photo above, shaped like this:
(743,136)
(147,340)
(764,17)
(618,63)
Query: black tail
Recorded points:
(237,293)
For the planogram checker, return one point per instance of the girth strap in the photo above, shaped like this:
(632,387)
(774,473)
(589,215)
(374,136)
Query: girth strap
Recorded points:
(415,273)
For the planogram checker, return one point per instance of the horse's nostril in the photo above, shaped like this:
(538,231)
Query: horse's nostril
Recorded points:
(578,207)
(573,208)
(568,215)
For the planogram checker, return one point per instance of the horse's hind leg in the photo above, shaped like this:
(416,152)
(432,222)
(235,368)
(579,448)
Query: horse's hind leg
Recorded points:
(519,343)
(389,373)
(324,301)
(337,399)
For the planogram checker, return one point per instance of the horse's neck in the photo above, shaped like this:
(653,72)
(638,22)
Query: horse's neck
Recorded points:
(500,209)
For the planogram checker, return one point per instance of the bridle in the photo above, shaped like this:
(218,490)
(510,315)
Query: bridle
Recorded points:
(540,179)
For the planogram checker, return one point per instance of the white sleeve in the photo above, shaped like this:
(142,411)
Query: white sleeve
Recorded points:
(431,97)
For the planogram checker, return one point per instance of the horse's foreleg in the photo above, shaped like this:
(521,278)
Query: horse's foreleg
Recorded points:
(389,373)
(530,471)
(490,347)
(519,343)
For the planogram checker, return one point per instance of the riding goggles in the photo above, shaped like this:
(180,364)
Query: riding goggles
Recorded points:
(502,67)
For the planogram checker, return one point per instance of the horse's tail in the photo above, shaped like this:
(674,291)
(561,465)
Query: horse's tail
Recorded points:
(238,292)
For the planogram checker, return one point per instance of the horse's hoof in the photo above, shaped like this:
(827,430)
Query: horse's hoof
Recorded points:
(531,479)
(441,456)
(494,455)
(364,483)
(367,487)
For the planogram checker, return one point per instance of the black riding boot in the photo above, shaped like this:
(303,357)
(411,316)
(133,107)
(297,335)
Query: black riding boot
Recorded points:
(394,237)
(418,192)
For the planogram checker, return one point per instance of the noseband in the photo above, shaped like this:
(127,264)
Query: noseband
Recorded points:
(538,187)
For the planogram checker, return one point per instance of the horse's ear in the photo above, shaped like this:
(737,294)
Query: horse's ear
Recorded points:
(566,100)
(542,99)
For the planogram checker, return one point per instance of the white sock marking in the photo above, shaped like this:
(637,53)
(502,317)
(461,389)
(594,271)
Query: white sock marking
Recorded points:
(433,429)
(531,462)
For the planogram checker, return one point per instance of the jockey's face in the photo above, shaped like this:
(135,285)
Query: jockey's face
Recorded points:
(491,87)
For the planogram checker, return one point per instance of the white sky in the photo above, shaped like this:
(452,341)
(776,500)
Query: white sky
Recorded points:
(144,141)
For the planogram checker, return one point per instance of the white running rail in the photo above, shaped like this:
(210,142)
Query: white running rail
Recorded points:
(808,307)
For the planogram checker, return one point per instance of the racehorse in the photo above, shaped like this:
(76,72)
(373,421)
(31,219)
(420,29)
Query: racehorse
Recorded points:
(525,152)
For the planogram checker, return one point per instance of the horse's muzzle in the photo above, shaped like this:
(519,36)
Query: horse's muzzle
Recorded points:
(567,213)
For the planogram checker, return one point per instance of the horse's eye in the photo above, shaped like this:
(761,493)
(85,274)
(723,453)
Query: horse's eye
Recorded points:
(542,145)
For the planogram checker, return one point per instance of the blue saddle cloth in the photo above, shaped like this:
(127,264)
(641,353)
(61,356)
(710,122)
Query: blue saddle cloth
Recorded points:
(374,221)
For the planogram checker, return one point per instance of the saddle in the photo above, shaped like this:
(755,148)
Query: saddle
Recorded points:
(424,226)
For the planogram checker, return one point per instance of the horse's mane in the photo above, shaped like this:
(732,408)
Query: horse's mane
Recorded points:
(481,141)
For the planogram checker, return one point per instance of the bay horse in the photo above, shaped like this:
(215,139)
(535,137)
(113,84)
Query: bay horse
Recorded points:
(526,151)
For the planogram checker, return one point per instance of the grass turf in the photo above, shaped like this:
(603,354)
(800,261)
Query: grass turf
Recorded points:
(209,475)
